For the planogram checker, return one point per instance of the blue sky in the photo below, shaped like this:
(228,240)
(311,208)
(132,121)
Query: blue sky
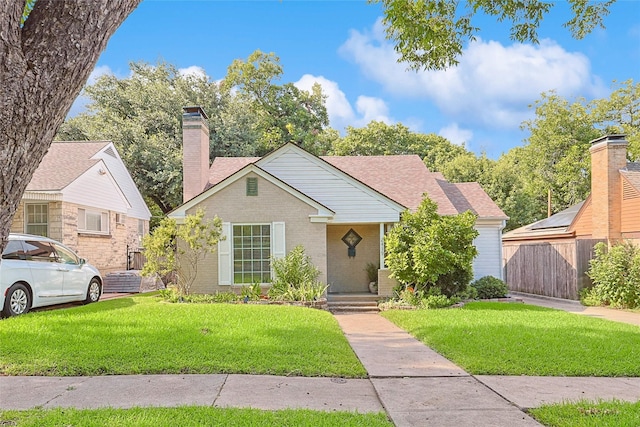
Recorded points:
(341,45)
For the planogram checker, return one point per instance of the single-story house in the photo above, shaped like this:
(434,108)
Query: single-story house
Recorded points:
(551,257)
(83,196)
(338,208)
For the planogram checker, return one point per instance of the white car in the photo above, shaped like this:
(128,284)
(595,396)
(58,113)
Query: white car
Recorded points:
(36,271)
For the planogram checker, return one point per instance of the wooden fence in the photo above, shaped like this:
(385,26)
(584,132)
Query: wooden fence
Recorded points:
(555,269)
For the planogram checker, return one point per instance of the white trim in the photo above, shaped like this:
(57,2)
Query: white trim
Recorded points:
(42,195)
(382,248)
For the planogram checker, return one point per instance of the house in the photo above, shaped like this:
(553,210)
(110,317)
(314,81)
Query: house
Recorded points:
(338,208)
(83,196)
(551,257)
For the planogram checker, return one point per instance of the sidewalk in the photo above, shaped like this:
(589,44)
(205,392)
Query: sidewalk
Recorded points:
(575,307)
(408,380)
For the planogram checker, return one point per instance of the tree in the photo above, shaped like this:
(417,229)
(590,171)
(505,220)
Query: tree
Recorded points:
(284,113)
(381,139)
(142,114)
(180,249)
(431,34)
(47,51)
(428,251)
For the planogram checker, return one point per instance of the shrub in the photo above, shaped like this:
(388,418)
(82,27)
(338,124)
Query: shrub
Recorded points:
(421,299)
(490,287)
(251,293)
(615,275)
(178,250)
(426,250)
(171,294)
(295,278)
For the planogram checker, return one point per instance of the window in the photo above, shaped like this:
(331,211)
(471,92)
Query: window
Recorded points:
(93,221)
(252,186)
(13,250)
(37,219)
(140,227)
(251,253)
(65,255)
(39,251)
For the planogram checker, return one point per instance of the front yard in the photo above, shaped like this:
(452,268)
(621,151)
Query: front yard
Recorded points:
(142,335)
(515,339)
(188,416)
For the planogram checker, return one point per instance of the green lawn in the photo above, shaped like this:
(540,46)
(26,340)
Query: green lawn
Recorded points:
(518,339)
(142,335)
(589,414)
(187,416)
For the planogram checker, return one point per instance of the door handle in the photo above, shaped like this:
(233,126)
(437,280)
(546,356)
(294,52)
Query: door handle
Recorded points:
(62,269)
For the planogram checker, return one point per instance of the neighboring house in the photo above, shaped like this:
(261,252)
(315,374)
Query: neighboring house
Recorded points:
(83,196)
(551,257)
(338,208)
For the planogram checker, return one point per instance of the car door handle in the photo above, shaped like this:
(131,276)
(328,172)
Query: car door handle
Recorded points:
(62,269)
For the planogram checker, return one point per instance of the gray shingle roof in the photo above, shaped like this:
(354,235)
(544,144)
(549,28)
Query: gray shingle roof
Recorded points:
(63,163)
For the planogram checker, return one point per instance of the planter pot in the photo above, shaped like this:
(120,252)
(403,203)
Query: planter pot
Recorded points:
(373,287)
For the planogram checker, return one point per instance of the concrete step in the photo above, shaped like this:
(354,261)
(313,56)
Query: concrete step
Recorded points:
(353,309)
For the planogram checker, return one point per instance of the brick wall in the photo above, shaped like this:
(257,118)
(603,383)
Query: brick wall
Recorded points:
(385,283)
(272,204)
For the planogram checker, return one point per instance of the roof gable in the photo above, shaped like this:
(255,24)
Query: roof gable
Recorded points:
(352,200)
(324,212)
(64,163)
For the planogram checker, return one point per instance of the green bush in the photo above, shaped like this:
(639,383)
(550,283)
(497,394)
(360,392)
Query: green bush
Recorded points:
(428,251)
(251,293)
(295,278)
(490,287)
(171,294)
(616,276)
(421,299)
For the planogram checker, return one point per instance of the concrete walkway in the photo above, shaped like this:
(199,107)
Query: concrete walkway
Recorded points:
(413,384)
(575,307)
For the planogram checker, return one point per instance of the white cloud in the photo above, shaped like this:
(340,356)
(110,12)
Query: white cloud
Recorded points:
(340,110)
(371,108)
(493,84)
(193,70)
(455,134)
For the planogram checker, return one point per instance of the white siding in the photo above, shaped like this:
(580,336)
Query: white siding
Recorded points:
(120,173)
(489,246)
(96,188)
(352,201)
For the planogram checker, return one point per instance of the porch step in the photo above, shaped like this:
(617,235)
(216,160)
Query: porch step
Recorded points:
(357,303)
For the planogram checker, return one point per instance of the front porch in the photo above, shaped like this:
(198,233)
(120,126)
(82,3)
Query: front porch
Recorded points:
(359,302)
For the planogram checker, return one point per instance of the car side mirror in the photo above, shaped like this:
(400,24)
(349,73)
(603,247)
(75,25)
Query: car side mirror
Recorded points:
(83,261)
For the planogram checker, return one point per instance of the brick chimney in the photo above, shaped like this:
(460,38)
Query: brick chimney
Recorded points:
(608,156)
(195,152)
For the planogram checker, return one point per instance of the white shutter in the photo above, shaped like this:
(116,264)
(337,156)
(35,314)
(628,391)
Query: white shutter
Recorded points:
(278,240)
(225,268)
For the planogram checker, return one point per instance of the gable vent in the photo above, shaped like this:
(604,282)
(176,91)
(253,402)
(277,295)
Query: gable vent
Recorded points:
(628,191)
(110,152)
(252,186)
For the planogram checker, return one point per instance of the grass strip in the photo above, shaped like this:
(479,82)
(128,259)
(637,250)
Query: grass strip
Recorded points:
(187,416)
(589,414)
(488,338)
(143,335)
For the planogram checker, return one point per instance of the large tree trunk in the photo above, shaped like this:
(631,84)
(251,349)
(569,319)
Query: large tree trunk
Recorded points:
(43,67)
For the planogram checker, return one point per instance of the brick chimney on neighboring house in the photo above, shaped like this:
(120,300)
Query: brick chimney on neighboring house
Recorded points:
(608,156)
(195,152)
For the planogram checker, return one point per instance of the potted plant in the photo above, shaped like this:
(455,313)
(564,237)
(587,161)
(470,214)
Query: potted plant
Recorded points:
(372,274)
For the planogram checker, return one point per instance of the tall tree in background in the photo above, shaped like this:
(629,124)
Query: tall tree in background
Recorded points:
(381,139)
(249,115)
(284,113)
(47,51)
(431,34)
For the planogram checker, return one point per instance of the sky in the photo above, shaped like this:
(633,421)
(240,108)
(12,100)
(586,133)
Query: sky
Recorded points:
(341,45)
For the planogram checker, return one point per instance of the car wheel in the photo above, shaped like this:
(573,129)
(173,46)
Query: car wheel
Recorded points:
(17,301)
(93,291)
